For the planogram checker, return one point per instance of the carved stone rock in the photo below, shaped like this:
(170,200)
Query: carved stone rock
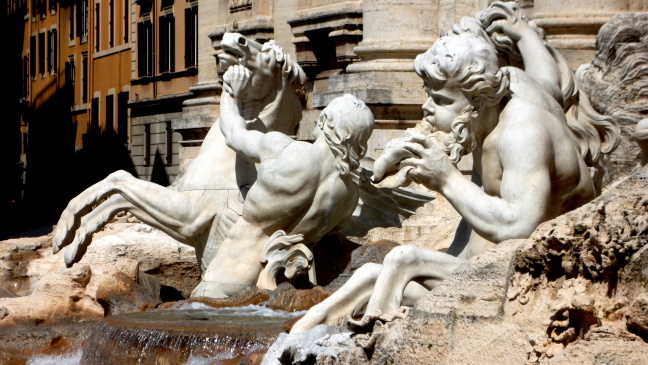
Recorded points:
(617,81)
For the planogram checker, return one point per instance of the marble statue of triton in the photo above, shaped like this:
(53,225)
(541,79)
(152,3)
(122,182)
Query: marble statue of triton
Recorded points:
(303,191)
(532,161)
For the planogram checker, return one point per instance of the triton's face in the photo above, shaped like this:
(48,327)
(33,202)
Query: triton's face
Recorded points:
(443,106)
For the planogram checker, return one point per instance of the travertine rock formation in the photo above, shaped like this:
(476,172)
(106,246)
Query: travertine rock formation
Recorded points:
(617,82)
(129,268)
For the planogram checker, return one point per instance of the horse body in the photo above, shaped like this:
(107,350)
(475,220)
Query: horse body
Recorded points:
(206,199)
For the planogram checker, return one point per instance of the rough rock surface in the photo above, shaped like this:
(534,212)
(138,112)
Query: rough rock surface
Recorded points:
(322,345)
(576,292)
(127,268)
(617,82)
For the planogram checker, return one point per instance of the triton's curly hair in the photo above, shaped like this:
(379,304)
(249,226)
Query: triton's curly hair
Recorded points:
(471,63)
(347,124)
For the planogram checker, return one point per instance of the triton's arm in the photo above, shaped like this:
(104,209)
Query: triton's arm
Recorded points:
(252,144)
(525,188)
(538,62)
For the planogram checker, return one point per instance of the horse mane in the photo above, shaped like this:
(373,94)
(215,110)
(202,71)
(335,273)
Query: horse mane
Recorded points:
(286,106)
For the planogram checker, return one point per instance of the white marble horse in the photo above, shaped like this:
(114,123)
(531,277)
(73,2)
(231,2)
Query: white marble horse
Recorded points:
(206,199)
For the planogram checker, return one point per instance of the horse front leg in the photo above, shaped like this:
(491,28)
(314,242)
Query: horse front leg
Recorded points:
(181,214)
(97,219)
(79,206)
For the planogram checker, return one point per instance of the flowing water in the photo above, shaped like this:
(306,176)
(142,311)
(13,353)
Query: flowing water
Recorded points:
(193,334)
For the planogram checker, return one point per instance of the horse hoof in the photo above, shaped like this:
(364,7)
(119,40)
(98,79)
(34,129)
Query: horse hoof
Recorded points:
(73,254)
(69,256)
(61,236)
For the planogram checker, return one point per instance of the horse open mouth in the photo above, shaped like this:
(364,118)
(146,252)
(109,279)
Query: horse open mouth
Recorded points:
(228,57)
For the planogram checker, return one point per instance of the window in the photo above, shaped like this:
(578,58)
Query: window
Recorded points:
(38,8)
(147,144)
(169,143)
(126,22)
(145,48)
(82,21)
(41,54)
(122,117)
(167,43)
(32,55)
(51,52)
(191,36)
(94,119)
(52,5)
(97,26)
(69,75)
(71,21)
(84,77)
(111,23)
(25,78)
(110,114)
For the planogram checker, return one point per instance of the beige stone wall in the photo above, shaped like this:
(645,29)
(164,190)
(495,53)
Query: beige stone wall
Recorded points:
(571,27)
(367,48)
(157,147)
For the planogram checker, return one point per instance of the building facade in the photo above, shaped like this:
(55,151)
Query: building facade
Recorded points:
(98,83)
(163,68)
(367,48)
(133,84)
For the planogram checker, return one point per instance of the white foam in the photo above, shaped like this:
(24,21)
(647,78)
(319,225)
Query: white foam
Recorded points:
(73,358)
(251,309)
(192,305)
(263,311)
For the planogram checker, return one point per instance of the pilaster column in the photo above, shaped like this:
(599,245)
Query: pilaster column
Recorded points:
(571,27)
(395,31)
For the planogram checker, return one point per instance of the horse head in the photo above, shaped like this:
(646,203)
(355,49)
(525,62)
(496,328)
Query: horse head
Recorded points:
(274,79)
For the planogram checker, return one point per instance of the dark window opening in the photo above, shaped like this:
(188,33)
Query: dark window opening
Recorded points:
(145,48)
(69,76)
(41,54)
(84,78)
(97,26)
(41,8)
(52,61)
(191,36)
(71,21)
(122,117)
(147,144)
(32,55)
(82,25)
(110,115)
(167,43)
(94,119)
(169,143)
(25,79)
(126,17)
(111,23)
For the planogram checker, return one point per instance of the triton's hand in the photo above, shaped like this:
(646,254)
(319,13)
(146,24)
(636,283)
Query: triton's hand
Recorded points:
(236,81)
(431,166)
(505,18)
